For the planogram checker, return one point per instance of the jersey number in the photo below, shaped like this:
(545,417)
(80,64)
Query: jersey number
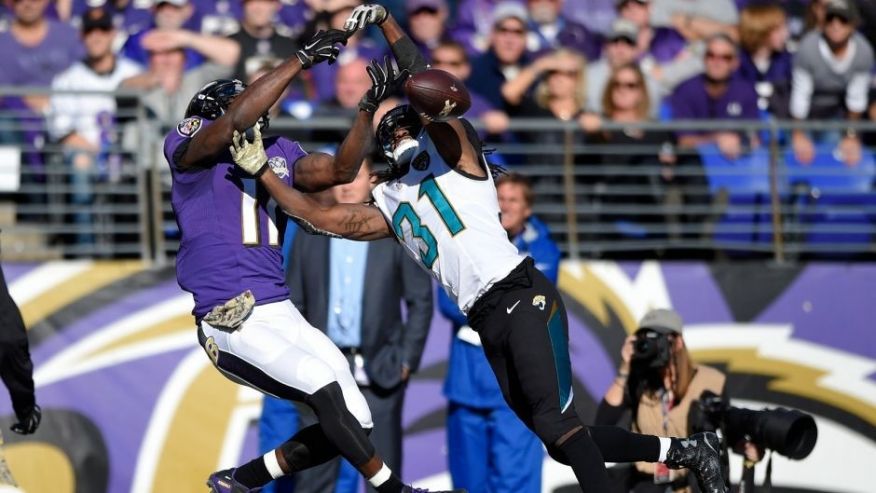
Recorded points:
(449,217)
(249,216)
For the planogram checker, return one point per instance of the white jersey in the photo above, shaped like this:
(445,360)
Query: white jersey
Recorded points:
(449,223)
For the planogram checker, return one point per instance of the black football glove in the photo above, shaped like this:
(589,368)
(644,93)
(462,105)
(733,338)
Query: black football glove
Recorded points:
(385,80)
(29,423)
(321,47)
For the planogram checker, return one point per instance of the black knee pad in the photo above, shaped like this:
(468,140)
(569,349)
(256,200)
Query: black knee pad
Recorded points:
(298,451)
(329,399)
(552,426)
(339,424)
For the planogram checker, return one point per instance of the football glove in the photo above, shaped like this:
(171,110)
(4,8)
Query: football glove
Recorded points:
(249,156)
(385,79)
(29,423)
(321,47)
(365,15)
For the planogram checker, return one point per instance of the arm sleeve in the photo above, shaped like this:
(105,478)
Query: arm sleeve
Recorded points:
(417,292)
(449,309)
(408,56)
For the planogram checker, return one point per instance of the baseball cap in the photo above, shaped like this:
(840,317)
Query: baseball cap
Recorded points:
(662,320)
(415,5)
(178,3)
(508,10)
(842,8)
(624,28)
(96,19)
(620,3)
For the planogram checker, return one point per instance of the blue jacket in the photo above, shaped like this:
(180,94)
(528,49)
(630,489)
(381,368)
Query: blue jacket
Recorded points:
(470,380)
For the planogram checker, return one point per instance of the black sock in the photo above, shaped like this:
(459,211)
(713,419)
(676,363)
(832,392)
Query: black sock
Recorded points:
(391,485)
(619,445)
(253,474)
(586,462)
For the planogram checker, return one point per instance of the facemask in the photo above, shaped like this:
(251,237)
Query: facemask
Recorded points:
(404,151)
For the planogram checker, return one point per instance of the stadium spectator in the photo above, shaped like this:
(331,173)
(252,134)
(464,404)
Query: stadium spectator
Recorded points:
(658,398)
(831,77)
(662,51)
(489,448)
(596,15)
(128,16)
(618,50)
(219,17)
(559,92)
(717,94)
(85,125)
(648,152)
(354,292)
(506,55)
(475,22)
(451,57)
(548,30)
(428,21)
(764,58)
(259,36)
(696,20)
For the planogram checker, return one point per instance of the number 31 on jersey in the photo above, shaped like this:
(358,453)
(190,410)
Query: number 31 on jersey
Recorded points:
(406,213)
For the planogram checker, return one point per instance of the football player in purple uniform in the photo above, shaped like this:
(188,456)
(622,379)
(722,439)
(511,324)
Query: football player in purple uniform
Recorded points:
(230,260)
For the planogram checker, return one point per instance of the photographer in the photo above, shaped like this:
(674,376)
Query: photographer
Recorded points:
(657,381)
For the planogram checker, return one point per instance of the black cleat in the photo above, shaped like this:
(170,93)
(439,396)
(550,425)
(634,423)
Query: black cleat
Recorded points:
(223,482)
(700,454)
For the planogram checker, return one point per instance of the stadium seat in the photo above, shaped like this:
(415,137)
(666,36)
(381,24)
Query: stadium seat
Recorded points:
(747,175)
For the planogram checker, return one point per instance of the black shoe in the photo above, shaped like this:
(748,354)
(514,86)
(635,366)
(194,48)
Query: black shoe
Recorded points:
(700,454)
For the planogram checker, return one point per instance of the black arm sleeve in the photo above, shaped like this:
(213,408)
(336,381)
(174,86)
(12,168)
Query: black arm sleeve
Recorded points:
(408,56)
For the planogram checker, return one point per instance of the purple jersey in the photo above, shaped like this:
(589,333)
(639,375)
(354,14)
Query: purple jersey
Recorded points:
(231,228)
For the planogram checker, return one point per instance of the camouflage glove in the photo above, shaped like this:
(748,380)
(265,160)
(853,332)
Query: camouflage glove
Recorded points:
(229,316)
(250,157)
(385,79)
(321,47)
(29,423)
(365,15)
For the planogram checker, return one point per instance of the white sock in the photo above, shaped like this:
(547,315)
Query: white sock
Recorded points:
(273,465)
(664,448)
(381,477)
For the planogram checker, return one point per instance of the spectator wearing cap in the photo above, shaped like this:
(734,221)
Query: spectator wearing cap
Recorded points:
(831,77)
(474,23)
(719,93)
(618,50)
(259,35)
(84,125)
(654,390)
(696,20)
(169,32)
(506,55)
(764,58)
(549,30)
(451,57)
(596,15)
(663,52)
(428,23)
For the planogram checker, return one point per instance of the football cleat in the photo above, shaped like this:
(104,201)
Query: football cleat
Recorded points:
(411,489)
(700,454)
(223,482)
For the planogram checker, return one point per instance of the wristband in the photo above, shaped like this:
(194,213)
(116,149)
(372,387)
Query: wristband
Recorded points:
(261,170)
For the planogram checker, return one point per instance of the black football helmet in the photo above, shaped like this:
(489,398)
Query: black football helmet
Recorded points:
(400,116)
(213,100)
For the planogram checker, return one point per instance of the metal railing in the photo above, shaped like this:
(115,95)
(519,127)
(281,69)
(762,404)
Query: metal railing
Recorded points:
(600,196)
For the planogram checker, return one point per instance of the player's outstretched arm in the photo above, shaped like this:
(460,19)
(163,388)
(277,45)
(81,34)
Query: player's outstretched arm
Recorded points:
(352,221)
(256,99)
(404,49)
(319,171)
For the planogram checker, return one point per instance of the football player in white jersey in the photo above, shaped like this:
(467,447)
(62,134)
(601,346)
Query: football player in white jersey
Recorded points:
(439,200)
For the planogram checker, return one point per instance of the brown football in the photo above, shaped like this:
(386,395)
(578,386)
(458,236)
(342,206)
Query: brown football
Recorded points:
(437,95)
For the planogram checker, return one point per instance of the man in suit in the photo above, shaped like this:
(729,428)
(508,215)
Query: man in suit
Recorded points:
(353,291)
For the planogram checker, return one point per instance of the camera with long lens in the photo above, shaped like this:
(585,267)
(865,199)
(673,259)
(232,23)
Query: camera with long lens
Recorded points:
(651,351)
(789,432)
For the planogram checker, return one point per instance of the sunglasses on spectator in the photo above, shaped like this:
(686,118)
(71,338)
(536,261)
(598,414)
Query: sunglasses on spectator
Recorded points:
(834,17)
(451,63)
(424,10)
(510,30)
(620,84)
(727,57)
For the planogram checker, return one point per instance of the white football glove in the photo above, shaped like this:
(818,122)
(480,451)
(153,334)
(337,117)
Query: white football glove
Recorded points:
(364,15)
(250,156)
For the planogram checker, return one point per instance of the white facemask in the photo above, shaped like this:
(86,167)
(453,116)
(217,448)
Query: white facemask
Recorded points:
(405,151)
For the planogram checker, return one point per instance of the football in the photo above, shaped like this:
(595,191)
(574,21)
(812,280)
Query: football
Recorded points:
(437,95)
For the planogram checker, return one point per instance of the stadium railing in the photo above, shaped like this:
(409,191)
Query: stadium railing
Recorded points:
(762,205)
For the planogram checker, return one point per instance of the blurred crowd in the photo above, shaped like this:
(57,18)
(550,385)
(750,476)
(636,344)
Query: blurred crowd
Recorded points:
(586,61)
